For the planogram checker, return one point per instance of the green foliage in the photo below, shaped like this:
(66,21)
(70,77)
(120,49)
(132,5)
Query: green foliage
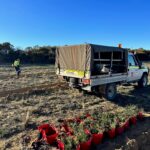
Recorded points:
(68,142)
(101,122)
(34,55)
(42,55)
(87,123)
(81,135)
(131,110)
(108,121)
(96,127)
(94,131)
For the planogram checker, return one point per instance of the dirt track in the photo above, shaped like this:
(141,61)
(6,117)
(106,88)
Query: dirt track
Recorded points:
(38,97)
(33,89)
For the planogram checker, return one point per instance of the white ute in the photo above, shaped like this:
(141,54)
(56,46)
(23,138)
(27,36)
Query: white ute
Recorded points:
(99,68)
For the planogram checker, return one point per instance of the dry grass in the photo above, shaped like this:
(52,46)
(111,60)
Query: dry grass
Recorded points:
(38,97)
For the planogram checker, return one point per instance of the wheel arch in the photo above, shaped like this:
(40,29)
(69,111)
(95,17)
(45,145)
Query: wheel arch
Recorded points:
(145,73)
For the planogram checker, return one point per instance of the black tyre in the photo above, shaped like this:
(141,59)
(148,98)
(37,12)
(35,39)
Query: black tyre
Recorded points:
(144,81)
(109,91)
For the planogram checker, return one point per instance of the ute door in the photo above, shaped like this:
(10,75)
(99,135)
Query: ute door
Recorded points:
(134,71)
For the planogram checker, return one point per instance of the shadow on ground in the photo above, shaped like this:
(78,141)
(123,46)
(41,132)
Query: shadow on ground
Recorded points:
(138,96)
(138,139)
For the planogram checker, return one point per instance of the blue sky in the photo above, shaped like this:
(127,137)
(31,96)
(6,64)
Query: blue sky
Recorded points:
(59,22)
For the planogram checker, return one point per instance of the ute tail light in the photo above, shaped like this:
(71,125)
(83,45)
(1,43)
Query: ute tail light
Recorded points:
(86,81)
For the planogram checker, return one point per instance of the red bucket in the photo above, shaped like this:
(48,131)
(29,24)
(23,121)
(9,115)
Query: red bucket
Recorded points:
(126,125)
(61,145)
(133,120)
(68,130)
(119,130)
(140,116)
(84,145)
(97,138)
(112,133)
(50,134)
(44,127)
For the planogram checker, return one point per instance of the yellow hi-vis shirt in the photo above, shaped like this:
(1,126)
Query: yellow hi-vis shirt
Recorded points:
(16,63)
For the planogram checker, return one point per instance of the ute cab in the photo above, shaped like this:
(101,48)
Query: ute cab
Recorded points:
(137,71)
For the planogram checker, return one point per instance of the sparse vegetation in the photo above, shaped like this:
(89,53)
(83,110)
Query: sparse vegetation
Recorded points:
(48,100)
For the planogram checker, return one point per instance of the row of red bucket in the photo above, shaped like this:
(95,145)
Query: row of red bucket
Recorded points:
(49,133)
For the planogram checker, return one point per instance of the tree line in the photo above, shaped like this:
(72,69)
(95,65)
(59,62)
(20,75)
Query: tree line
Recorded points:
(43,54)
(30,55)
(143,55)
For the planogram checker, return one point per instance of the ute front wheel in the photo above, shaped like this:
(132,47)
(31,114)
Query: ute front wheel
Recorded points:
(144,81)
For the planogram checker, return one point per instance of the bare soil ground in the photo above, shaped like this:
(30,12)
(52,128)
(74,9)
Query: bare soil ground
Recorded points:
(38,96)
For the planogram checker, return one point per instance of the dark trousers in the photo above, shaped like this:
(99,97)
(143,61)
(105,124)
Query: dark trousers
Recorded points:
(18,71)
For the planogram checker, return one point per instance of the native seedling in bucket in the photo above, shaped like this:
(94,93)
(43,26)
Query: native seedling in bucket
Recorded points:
(109,121)
(83,139)
(97,133)
(132,113)
(120,123)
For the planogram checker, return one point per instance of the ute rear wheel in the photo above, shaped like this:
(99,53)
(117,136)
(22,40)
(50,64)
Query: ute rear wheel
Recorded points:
(144,81)
(109,91)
